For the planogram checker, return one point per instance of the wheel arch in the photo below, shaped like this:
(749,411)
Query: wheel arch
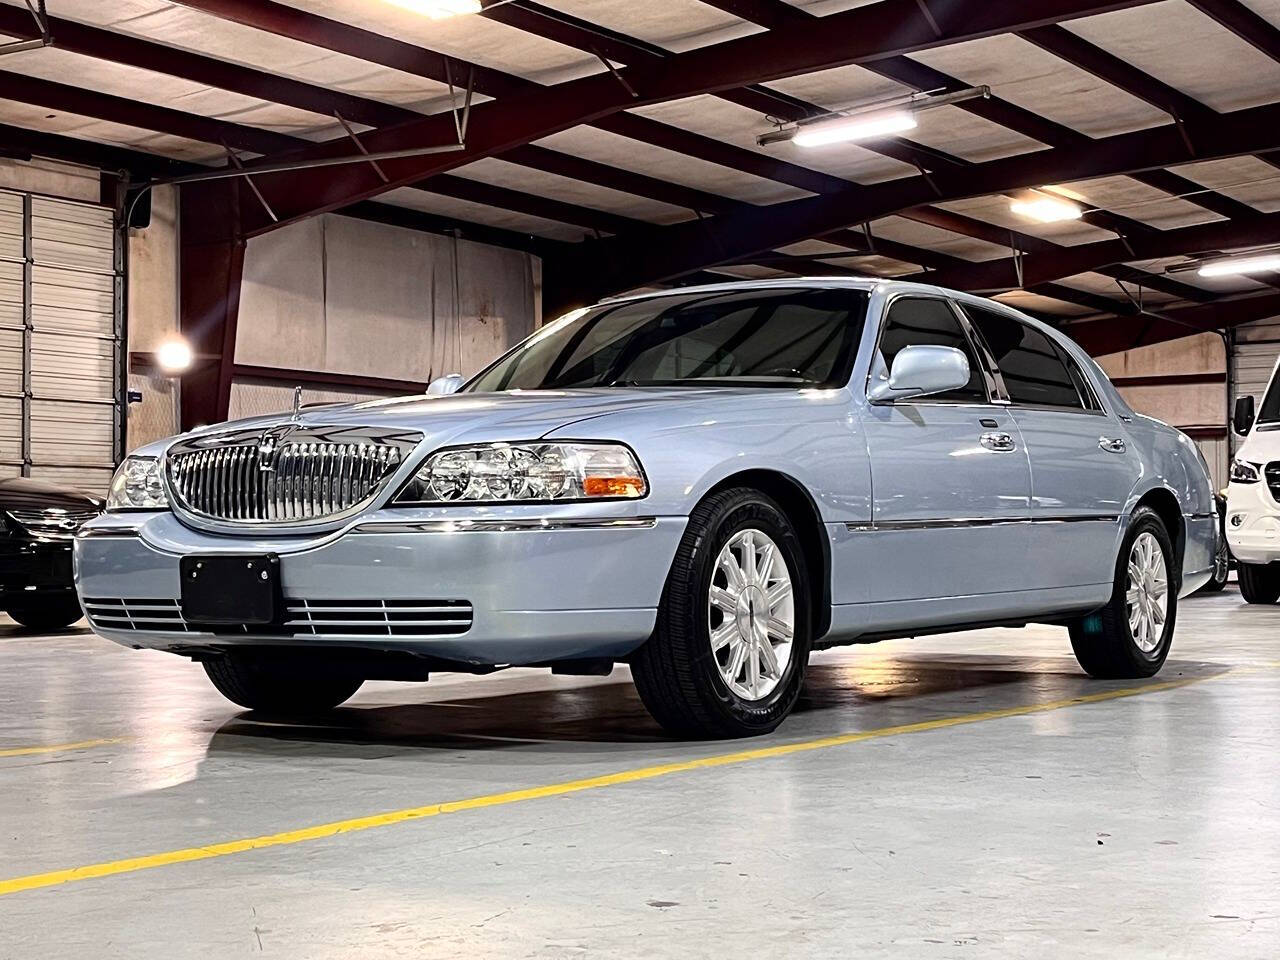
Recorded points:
(802,510)
(1166,506)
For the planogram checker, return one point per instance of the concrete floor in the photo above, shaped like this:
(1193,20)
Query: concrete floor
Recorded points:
(1140,826)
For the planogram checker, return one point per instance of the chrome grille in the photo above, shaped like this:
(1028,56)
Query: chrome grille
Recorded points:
(161,616)
(284,474)
(1272,473)
(53,522)
(383,618)
(406,619)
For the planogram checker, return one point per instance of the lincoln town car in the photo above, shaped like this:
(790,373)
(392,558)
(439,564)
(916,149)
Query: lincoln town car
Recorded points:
(706,484)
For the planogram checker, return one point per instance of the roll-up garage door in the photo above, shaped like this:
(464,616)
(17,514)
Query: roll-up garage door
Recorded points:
(60,296)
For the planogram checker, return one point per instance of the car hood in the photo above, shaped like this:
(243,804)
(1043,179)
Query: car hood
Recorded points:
(23,493)
(487,417)
(1262,445)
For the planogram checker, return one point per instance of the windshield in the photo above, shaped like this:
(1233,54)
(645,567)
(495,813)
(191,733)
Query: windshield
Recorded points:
(1269,412)
(772,338)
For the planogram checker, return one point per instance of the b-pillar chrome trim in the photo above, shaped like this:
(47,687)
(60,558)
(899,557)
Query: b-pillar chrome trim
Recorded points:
(882,526)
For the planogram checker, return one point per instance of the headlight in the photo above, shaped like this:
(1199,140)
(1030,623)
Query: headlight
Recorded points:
(515,472)
(138,485)
(1242,471)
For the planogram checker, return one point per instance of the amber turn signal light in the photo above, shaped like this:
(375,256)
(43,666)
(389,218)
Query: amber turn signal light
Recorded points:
(613,486)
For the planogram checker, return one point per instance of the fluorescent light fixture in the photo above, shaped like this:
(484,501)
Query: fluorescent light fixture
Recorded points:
(865,121)
(174,355)
(1046,209)
(1241,265)
(440,9)
(850,129)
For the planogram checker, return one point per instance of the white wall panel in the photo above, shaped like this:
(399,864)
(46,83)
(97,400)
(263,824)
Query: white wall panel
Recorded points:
(340,295)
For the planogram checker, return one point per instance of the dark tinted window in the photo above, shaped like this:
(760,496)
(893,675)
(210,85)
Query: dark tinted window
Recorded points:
(914,321)
(1032,367)
(784,338)
(1269,412)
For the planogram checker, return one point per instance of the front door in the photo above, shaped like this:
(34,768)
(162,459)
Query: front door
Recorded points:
(950,479)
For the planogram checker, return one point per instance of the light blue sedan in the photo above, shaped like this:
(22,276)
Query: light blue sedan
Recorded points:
(707,484)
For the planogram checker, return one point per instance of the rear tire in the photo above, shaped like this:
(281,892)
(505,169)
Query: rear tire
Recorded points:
(47,614)
(1259,582)
(734,688)
(279,683)
(1221,569)
(1107,644)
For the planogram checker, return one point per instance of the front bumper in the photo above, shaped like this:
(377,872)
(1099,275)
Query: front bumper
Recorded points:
(1253,523)
(540,589)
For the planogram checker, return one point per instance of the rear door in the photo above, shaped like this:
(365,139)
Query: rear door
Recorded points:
(950,478)
(1082,468)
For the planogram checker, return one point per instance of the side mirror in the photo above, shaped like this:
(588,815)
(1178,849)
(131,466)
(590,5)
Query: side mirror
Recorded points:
(921,370)
(443,386)
(1242,418)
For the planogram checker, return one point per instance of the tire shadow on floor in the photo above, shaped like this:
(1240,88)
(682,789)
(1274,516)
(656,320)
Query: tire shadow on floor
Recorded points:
(607,717)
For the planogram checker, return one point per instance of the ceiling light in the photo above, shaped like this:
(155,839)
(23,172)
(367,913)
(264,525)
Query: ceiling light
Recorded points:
(866,121)
(850,129)
(174,355)
(1241,265)
(440,9)
(1046,209)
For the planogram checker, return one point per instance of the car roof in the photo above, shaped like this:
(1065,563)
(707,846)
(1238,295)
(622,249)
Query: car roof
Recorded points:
(825,283)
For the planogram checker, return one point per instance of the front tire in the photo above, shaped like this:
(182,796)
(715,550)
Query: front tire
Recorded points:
(1130,637)
(728,653)
(279,683)
(47,614)
(1259,582)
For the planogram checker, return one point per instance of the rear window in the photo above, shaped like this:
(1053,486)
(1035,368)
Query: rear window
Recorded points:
(1035,370)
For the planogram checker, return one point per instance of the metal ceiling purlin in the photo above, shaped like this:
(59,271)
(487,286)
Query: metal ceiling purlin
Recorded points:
(853,36)
(618,265)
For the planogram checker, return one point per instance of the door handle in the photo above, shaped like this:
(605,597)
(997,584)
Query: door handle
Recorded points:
(999,442)
(1112,444)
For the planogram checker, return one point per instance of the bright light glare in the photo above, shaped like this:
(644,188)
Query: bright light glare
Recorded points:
(1229,268)
(846,129)
(439,9)
(1047,209)
(174,355)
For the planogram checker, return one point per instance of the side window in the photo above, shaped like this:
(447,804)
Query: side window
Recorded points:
(919,320)
(1033,368)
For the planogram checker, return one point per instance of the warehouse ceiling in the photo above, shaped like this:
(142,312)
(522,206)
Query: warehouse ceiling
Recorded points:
(618,140)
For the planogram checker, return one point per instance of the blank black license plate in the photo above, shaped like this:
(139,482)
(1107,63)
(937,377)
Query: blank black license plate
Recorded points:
(239,589)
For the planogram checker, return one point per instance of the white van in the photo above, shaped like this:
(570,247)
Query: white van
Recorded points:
(1253,495)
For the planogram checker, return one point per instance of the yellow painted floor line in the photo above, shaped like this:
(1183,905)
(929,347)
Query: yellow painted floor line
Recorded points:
(58,747)
(320,831)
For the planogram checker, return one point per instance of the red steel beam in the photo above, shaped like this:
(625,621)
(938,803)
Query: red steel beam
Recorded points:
(1100,337)
(619,264)
(864,34)
(1043,265)
(1244,23)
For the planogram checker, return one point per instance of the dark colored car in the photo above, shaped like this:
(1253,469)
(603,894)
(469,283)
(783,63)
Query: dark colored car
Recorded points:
(40,521)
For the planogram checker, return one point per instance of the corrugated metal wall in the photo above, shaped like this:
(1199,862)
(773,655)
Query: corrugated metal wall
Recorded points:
(61,284)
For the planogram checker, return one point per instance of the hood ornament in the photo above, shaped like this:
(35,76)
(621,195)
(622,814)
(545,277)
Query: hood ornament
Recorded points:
(297,404)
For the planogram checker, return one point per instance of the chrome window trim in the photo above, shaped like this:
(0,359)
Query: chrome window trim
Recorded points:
(885,526)
(1063,347)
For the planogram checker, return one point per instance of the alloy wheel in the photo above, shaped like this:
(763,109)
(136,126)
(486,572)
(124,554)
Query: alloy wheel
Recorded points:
(751,615)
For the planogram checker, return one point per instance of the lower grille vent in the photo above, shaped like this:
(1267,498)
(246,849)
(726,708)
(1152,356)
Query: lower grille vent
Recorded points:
(405,619)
